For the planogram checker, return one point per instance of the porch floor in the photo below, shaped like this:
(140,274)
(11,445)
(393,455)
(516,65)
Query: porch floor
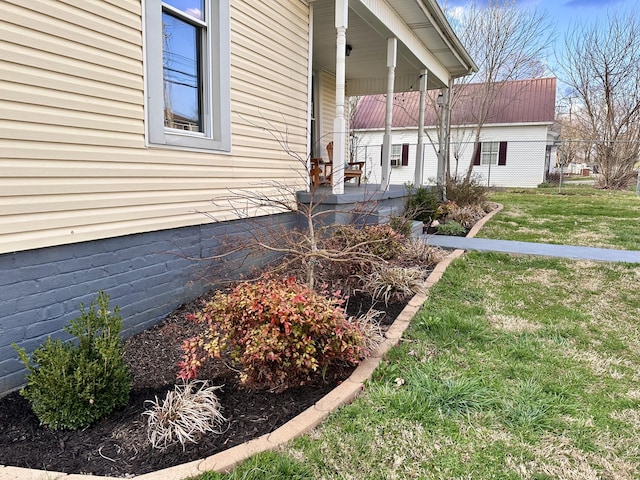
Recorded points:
(369,192)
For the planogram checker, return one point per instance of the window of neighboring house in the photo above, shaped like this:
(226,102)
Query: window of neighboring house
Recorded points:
(489,155)
(187,68)
(396,154)
(399,154)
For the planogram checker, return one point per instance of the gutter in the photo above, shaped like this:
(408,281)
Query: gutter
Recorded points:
(436,14)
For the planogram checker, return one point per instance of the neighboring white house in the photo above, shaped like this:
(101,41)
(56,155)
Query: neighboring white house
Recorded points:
(516,143)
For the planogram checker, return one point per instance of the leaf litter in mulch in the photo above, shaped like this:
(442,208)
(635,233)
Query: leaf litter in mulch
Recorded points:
(118,445)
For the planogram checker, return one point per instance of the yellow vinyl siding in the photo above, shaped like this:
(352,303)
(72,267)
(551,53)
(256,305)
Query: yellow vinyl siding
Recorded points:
(27,95)
(269,57)
(14,112)
(328,112)
(67,39)
(74,165)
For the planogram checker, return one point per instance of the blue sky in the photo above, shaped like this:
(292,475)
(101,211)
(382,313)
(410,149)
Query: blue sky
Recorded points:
(564,14)
(567,12)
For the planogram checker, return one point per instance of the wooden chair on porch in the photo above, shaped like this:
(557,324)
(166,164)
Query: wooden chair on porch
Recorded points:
(320,172)
(351,169)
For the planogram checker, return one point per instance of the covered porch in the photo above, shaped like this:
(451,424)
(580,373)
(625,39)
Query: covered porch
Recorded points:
(363,47)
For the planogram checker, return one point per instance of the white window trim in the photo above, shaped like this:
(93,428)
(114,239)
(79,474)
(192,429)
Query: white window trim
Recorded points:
(216,81)
(494,155)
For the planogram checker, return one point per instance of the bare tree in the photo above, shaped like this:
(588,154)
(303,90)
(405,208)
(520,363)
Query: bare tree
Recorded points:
(601,65)
(507,42)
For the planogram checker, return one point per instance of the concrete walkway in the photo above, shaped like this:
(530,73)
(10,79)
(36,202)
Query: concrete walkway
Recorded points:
(530,248)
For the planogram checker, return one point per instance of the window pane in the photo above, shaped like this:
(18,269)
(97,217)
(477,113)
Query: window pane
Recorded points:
(182,79)
(193,8)
(490,153)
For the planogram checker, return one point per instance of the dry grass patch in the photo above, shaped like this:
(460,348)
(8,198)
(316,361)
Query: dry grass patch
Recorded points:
(544,277)
(511,323)
(397,447)
(600,365)
(513,212)
(490,281)
(633,394)
(593,238)
(629,416)
(469,428)
(606,301)
(558,458)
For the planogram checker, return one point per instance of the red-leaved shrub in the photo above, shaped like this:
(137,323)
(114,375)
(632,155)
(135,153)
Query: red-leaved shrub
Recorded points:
(279,331)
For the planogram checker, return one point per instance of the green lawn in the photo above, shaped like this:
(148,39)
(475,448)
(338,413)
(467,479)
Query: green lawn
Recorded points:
(579,216)
(515,368)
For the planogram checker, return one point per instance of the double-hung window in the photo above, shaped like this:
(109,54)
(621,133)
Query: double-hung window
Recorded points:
(490,153)
(399,154)
(187,73)
(396,155)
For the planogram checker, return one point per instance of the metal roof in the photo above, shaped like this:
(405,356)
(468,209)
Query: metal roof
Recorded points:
(520,101)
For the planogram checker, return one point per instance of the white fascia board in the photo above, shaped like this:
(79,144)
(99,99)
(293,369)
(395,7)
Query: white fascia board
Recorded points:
(518,124)
(470,125)
(385,14)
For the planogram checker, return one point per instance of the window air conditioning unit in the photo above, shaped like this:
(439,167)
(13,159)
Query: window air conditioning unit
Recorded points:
(395,162)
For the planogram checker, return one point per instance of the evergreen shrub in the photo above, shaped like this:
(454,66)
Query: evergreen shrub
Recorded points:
(71,385)
(421,203)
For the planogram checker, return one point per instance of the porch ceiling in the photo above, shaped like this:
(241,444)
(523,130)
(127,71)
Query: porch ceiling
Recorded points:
(424,41)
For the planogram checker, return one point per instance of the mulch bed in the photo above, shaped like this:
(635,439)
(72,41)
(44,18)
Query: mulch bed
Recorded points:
(118,446)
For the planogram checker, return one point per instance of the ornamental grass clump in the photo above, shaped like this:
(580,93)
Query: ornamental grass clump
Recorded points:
(186,413)
(466,216)
(279,332)
(369,325)
(419,252)
(71,385)
(391,283)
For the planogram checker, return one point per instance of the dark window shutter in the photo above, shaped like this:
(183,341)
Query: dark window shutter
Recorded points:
(502,154)
(476,153)
(405,154)
(381,152)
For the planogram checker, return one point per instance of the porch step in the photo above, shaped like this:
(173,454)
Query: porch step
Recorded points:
(385,214)
(416,229)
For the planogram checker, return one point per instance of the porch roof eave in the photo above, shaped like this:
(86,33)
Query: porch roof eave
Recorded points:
(425,42)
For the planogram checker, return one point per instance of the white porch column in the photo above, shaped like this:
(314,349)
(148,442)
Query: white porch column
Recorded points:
(310,147)
(419,173)
(392,48)
(339,124)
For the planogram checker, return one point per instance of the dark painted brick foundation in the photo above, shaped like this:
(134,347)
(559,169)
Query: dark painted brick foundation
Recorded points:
(147,275)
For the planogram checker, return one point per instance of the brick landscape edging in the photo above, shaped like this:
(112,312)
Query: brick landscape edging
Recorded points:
(343,394)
